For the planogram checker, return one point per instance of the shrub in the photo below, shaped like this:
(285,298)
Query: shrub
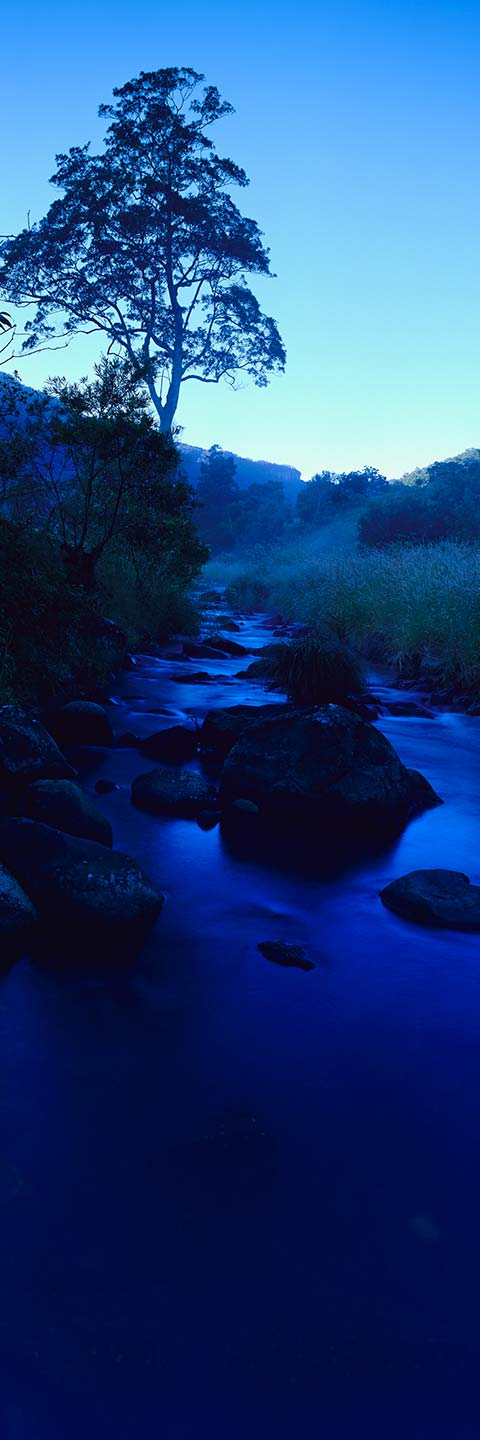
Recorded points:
(315,670)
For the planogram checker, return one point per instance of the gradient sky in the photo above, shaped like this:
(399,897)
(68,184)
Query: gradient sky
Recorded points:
(358,124)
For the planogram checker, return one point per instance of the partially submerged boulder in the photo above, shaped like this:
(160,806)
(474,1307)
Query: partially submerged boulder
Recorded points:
(82,890)
(179,742)
(444,899)
(424,797)
(66,807)
(18,916)
(82,722)
(27,751)
(222,728)
(171,792)
(226,644)
(194,650)
(323,774)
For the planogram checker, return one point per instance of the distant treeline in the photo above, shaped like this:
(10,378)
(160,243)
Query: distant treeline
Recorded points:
(440,502)
(234,517)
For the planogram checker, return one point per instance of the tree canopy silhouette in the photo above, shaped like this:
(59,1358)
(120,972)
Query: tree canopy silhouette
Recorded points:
(146,245)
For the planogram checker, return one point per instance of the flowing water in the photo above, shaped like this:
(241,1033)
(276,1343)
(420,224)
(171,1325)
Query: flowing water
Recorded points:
(237,1198)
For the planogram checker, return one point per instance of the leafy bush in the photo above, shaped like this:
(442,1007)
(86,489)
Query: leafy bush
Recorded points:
(315,670)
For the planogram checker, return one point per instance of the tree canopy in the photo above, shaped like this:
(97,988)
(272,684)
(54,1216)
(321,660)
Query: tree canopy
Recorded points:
(146,246)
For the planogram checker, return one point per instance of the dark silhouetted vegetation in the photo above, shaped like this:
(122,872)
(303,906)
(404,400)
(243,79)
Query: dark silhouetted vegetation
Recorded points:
(315,670)
(145,245)
(94,521)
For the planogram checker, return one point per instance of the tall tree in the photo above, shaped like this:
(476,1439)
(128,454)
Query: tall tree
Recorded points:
(146,245)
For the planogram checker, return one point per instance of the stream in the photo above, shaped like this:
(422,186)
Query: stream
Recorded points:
(237,1198)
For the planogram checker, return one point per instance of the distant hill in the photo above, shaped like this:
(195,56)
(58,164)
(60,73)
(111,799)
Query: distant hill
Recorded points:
(423,472)
(247,472)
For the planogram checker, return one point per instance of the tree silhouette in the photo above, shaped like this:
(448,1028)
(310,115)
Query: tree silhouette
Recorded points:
(146,246)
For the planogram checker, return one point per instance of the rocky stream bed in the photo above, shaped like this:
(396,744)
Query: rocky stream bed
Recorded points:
(238,1176)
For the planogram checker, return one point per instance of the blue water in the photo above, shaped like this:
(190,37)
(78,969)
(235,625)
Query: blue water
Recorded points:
(234,1198)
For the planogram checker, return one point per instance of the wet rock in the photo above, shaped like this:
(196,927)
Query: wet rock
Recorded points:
(411,708)
(82,722)
(282,953)
(18,916)
(222,728)
(321,773)
(62,804)
(226,623)
(475,708)
(444,899)
(179,742)
(105,787)
(82,890)
(424,797)
(203,652)
(211,597)
(257,670)
(208,819)
(227,646)
(171,792)
(194,677)
(27,751)
(245,807)
(126,740)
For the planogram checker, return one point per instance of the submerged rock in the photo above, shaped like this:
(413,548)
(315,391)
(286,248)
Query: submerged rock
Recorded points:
(82,890)
(171,792)
(282,953)
(321,774)
(444,899)
(179,742)
(27,751)
(82,722)
(222,728)
(64,806)
(411,708)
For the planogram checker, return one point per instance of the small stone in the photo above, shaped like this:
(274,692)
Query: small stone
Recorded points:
(282,953)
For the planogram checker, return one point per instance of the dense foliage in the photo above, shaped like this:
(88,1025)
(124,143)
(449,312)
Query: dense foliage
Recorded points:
(231,517)
(94,521)
(442,503)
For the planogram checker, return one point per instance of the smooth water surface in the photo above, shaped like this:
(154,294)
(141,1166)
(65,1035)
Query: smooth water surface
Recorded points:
(241,1199)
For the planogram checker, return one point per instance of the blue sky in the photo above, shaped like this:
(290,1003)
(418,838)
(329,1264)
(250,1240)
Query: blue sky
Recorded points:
(358,124)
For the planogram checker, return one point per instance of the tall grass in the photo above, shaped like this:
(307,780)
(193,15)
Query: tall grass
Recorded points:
(415,606)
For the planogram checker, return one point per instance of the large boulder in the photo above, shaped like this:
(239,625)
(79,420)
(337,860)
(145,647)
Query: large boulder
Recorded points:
(27,751)
(171,792)
(222,728)
(82,891)
(444,899)
(322,774)
(17,914)
(179,742)
(82,722)
(63,805)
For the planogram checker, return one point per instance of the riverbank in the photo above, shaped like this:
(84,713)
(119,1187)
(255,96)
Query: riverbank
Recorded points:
(415,608)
